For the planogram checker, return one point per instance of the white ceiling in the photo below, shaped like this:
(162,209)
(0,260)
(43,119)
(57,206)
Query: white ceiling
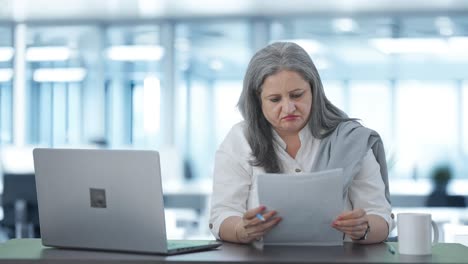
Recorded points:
(39,10)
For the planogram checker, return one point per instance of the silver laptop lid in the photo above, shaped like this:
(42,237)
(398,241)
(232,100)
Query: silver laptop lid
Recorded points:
(100,199)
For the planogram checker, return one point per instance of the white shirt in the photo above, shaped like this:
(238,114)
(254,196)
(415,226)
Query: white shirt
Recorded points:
(235,180)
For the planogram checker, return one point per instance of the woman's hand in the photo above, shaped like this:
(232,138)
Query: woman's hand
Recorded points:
(353,223)
(250,228)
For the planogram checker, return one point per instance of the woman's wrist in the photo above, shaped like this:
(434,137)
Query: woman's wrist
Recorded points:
(378,231)
(230,229)
(236,231)
(366,233)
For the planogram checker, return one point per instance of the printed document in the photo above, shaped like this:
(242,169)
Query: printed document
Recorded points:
(308,204)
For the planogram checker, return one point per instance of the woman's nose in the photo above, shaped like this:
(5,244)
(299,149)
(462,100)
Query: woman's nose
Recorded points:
(289,107)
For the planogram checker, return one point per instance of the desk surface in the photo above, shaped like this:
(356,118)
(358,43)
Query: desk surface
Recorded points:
(32,251)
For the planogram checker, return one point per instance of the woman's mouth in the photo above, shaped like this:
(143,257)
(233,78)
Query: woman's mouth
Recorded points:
(290,117)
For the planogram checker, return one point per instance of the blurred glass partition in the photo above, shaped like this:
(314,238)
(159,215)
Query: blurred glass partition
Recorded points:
(226,96)
(211,59)
(404,76)
(371,101)
(427,115)
(134,85)
(336,93)
(63,84)
(6,84)
(464,118)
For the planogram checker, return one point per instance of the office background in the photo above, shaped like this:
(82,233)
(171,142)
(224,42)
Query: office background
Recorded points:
(166,75)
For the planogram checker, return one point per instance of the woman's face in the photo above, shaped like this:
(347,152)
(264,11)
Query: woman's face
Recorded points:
(286,102)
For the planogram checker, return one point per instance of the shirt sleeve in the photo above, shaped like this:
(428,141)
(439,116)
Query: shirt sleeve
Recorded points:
(231,184)
(367,191)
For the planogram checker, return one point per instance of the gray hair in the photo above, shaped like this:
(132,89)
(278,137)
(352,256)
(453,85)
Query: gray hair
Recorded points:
(324,116)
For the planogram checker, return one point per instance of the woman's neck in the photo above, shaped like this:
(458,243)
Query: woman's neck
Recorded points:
(293,143)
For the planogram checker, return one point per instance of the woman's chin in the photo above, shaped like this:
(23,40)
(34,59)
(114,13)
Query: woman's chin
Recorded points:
(291,129)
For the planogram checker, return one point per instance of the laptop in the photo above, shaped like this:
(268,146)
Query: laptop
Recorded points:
(104,200)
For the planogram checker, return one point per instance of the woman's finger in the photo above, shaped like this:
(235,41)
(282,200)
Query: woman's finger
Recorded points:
(255,221)
(264,225)
(250,214)
(261,233)
(359,228)
(356,213)
(351,222)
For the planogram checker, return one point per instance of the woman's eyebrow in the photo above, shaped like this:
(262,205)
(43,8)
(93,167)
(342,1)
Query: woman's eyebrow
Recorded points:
(295,90)
(271,95)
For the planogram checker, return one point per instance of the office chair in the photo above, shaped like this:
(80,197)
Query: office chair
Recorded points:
(19,203)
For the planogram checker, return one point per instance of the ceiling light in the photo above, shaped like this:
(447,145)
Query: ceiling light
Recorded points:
(344,25)
(59,75)
(446,31)
(410,45)
(135,53)
(6,53)
(48,54)
(150,8)
(444,25)
(6,75)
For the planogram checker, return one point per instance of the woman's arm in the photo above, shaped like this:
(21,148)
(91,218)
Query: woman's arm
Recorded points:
(378,231)
(231,185)
(232,180)
(370,207)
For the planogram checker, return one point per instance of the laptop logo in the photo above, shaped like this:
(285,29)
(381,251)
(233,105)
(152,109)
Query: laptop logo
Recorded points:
(97,198)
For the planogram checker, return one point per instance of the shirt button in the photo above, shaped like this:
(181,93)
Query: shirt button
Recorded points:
(211,226)
(298,170)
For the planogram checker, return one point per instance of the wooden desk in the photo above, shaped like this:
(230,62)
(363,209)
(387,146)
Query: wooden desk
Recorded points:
(32,251)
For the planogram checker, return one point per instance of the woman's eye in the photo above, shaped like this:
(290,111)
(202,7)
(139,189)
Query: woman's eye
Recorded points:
(296,95)
(274,100)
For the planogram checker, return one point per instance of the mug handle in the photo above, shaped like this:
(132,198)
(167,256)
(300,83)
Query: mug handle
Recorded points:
(435,229)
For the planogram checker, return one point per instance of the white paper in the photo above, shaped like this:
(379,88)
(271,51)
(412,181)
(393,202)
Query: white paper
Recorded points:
(308,204)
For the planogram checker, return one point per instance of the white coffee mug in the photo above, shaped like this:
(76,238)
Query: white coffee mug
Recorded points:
(414,233)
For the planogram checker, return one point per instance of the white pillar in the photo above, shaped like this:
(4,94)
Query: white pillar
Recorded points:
(168,107)
(19,86)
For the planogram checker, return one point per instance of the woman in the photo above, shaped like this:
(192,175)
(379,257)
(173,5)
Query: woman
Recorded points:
(291,127)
